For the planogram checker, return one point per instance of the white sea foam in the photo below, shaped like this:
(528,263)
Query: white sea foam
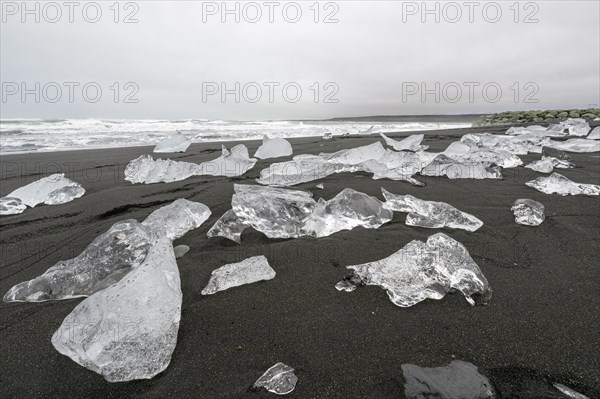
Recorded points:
(36,135)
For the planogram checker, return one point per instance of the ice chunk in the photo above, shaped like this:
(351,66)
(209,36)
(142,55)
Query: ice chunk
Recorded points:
(282,213)
(273,148)
(111,255)
(547,164)
(528,212)
(411,143)
(430,214)
(128,331)
(228,226)
(302,169)
(367,131)
(51,188)
(576,145)
(594,134)
(104,262)
(327,136)
(457,380)
(485,155)
(64,195)
(279,379)
(11,206)
(144,169)
(349,283)
(178,142)
(176,219)
(398,165)
(248,271)
(559,184)
(320,186)
(180,251)
(521,144)
(549,152)
(443,165)
(427,270)
(456,148)
(347,210)
(355,156)
(569,392)
(576,126)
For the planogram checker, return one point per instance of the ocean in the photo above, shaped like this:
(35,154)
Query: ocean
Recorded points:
(44,135)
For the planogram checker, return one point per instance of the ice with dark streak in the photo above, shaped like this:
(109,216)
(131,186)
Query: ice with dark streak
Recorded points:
(111,255)
(177,142)
(128,331)
(248,271)
(443,165)
(50,190)
(458,380)
(280,379)
(528,212)
(559,184)
(430,214)
(427,270)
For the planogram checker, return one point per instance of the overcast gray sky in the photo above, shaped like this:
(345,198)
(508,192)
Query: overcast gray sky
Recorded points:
(374,60)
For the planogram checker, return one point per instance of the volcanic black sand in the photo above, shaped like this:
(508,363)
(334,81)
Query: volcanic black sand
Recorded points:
(541,326)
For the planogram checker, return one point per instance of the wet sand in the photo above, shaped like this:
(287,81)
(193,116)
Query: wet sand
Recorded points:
(541,326)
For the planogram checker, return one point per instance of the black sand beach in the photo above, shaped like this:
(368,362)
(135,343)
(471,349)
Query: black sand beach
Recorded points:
(541,326)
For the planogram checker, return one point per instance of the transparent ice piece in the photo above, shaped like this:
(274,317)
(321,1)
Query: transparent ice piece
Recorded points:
(576,126)
(11,206)
(248,271)
(457,380)
(355,156)
(427,270)
(279,379)
(443,165)
(320,186)
(228,226)
(41,190)
(104,262)
(430,214)
(528,212)
(64,195)
(570,393)
(547,164)
(594,134)
(128,331)
(176,219)
(273,148)
(576,145)
(180,251)
(177,142)
(559,184)
(231,163)
(411,143)
(549,152)
(347,210)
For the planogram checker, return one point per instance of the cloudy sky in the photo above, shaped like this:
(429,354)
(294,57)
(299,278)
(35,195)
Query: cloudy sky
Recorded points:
(287,60)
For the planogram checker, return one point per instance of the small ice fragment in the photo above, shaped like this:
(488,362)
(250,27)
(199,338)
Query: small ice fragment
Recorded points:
(457,380)
(231,163)
(367,131)
(347,210)
(430,214)
(576,126)
(11,206)
(128,331)
(549,152)
(273,148)
(594,134)
(348,284)
(576,145)
(320,185)
(547,164)
(528,212)
(559,184)
(180,251)
(569,392)
(327,136)
(411,143)
(40,191)
(443,165)
(228,226)
(177,142)
(427,270)
(248,271)
(279,379)
(64,195)
(176,219)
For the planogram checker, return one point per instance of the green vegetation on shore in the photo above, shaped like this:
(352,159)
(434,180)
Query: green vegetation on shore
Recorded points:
(538,116)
